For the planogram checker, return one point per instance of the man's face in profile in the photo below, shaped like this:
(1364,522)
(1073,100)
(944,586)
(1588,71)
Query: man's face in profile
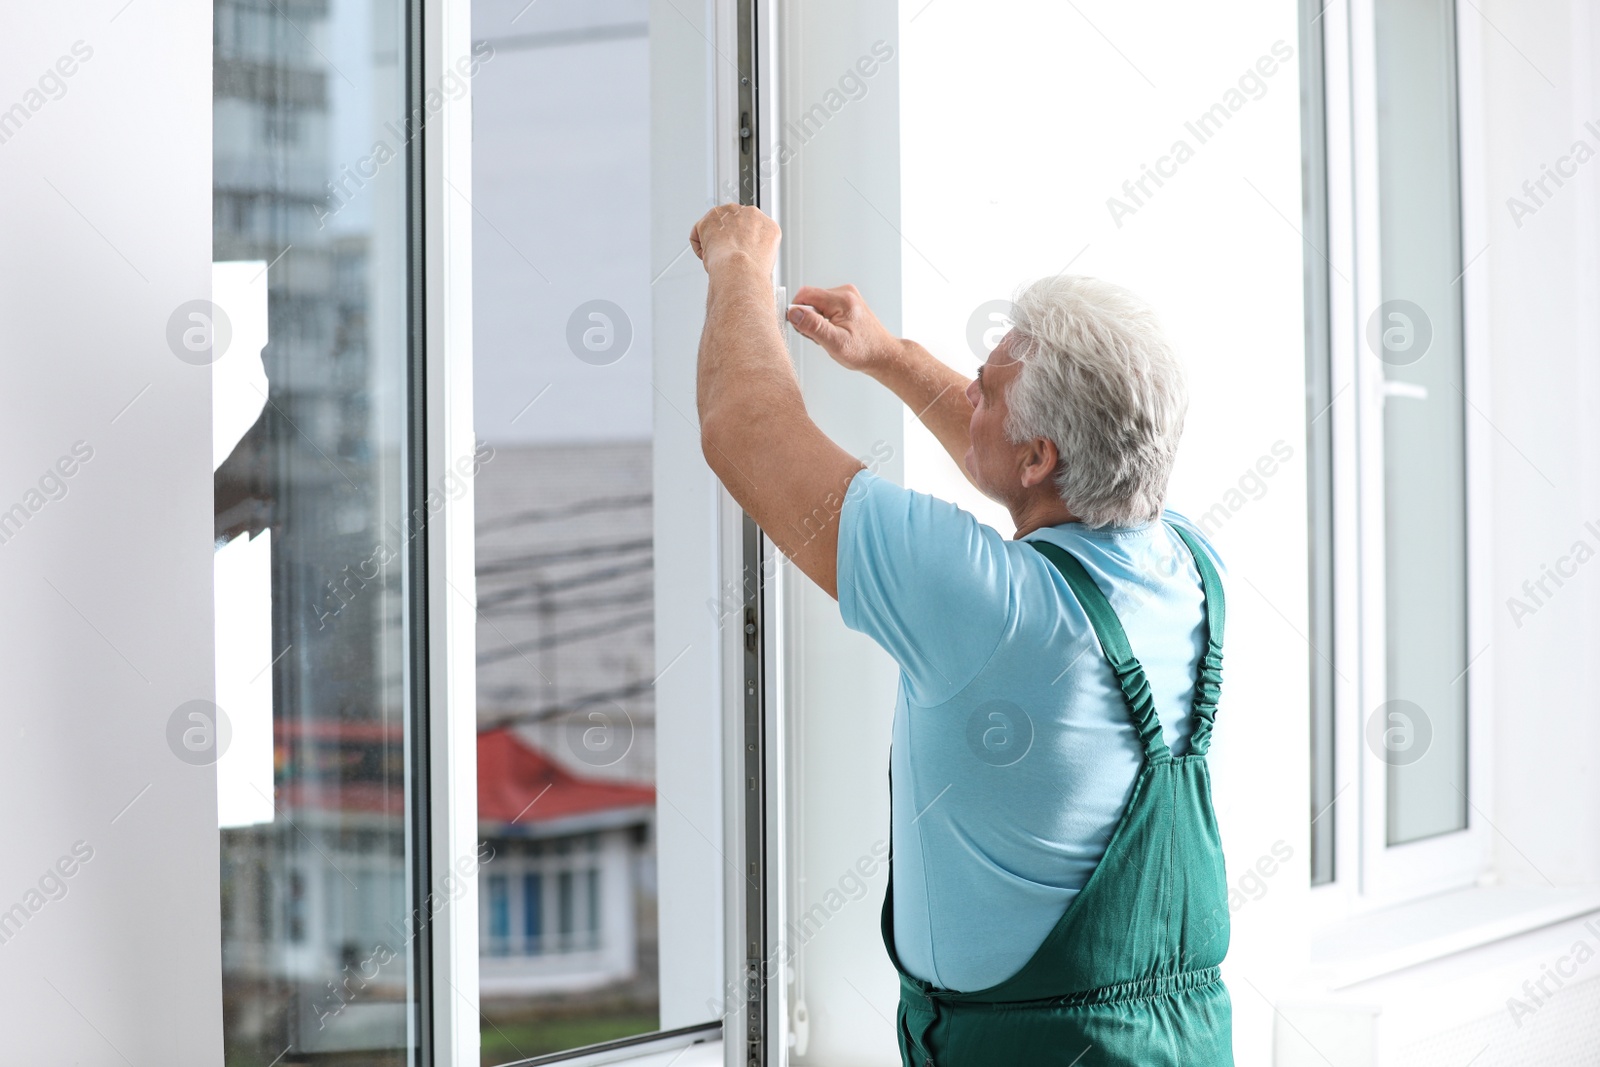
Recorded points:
(994,461)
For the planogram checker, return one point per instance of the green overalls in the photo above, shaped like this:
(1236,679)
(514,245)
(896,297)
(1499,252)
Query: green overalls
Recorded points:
(1128,977)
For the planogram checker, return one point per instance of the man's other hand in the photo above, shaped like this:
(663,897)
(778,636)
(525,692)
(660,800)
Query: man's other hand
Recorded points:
(734,231)
(840,321)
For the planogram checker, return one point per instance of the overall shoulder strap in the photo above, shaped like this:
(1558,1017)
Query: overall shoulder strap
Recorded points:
(1208,680)
(1114,643)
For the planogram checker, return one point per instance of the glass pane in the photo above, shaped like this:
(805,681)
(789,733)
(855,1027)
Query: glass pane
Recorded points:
(575,559)
(1421,730)
(310,419)
(1319,440)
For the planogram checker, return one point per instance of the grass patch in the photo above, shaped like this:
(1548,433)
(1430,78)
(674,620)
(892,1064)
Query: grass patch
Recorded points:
(506,1040)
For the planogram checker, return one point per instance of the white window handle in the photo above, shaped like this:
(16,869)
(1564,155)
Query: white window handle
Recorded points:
(1409,390)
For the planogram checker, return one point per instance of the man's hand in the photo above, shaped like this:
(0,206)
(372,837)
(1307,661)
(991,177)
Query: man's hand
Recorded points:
(732,232)
(840,321)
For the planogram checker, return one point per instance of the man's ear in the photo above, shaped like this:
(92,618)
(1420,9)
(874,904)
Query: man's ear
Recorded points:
(1039,462)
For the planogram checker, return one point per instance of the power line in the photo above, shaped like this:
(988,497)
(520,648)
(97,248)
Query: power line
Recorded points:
(568,636)
(564,555)
(567,511)
(629,598)
(561,585)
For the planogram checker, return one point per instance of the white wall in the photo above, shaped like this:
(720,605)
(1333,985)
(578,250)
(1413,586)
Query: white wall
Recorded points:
(108,589)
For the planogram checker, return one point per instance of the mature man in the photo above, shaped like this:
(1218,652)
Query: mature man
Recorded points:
(1057,893)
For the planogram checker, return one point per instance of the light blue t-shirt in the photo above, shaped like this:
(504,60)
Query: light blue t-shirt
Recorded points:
(1013,754)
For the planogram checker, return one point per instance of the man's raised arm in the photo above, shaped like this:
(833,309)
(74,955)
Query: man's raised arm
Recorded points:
(754,429)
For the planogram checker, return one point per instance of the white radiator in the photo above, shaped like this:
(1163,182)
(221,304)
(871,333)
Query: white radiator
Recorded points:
(1563,1032)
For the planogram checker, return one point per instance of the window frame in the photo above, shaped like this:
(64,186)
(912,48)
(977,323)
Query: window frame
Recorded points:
(441,157)
(754,1022)
(1368,873)
(442,226)
(1320,399)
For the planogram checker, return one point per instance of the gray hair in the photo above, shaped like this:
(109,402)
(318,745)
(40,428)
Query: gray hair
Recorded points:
(1100,381)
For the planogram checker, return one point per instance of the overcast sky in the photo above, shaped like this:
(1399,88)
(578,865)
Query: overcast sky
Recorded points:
(561,168)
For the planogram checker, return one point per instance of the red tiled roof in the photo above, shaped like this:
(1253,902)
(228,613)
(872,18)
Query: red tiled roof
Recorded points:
(519,784)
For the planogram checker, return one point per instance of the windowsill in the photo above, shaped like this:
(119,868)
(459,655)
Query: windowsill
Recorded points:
(1378,943)
(675,1051)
